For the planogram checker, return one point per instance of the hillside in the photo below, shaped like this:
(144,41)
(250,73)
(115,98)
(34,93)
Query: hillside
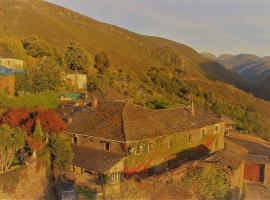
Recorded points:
(58,26)
(161,68)
(264,91)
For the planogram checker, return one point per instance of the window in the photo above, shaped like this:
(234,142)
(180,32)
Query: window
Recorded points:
(140,149)
(169,142)
(216,129)
(203,134)
(189,138)
(132,150)
(75,140)
(107,146)
(150,146)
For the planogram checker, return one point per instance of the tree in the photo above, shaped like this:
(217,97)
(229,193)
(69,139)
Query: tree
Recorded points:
(10,142)
(61,150)
(36,48)
(101,62)
(209,182)
(77,58)
(38,134)
(51,122)
(44,75)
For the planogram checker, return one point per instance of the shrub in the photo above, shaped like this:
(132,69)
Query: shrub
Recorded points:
(46,100)
(61,150)
(38,134)
(208,183)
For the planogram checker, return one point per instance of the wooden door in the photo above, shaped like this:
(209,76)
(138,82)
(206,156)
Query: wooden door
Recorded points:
(254,172)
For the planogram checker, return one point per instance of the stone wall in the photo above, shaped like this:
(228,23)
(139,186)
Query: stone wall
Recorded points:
(236,181)
(27,182)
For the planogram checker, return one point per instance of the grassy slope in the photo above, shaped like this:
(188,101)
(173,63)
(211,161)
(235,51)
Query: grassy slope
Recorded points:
(59,26)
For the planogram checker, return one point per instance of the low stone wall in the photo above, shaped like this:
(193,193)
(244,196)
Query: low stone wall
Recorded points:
(27,182)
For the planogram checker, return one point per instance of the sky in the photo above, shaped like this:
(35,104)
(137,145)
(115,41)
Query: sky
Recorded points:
(216,26)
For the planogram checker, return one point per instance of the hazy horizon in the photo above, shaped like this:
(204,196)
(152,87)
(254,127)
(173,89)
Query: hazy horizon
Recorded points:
(224,27)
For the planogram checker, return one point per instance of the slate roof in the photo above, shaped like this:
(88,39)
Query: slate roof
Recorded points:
(95,160)
(232,156)
(227,120)
(125,121)
(109,94)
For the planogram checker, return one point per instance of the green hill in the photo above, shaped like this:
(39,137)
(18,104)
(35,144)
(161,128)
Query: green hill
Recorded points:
(163,69)
(58,26)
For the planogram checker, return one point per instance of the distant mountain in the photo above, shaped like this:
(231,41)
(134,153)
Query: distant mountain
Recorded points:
(253,68)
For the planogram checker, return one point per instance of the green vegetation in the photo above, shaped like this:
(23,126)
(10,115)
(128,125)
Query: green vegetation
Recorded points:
(77,58)
(42,75)
(47,100)
(101,62)
(10,142)
(154,71)
(36,48)
(61,151)
(86,192)
(38,134)
(158,105)
(208,183)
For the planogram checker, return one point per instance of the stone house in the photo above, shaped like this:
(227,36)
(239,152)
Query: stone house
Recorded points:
(257,161)
(12,63)
(114,138)
(79,81)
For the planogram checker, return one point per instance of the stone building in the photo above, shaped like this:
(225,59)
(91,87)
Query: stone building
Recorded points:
(116,138)
(78,81)
(12,63)
(257,161)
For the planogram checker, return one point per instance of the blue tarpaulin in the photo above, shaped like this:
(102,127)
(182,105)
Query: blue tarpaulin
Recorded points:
(5,71)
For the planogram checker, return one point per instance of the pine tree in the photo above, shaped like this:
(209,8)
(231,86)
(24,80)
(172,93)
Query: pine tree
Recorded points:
(38,134)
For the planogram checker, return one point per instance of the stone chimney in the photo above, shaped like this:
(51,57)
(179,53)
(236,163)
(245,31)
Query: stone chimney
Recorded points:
(95,102)
(192,108)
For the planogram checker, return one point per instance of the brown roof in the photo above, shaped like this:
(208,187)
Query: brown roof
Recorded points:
(231,156)
(108,94)
(95,160)
(124,121)
(227,120)
(141,122)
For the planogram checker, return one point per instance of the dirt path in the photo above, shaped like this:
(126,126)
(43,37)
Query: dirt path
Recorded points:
(256,191)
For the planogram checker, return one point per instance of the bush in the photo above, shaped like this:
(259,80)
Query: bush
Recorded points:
(38,134)
(61,150)
(208,183)
(157,105)
(46,100)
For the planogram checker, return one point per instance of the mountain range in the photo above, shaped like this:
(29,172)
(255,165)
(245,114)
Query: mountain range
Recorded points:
(254,69)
